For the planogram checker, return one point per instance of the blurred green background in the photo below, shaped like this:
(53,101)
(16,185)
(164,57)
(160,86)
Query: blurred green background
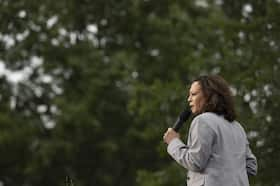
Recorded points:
(88,87)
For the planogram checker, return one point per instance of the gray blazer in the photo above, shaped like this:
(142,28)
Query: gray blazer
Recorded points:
(217,152)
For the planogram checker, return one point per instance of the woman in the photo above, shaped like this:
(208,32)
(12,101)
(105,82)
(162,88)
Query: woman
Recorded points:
(217,152)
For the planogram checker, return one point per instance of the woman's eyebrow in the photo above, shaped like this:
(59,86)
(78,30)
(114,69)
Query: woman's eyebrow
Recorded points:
(193,92)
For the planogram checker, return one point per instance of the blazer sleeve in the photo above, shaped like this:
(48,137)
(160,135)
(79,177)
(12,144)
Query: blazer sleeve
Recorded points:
(251,162)
(195,155)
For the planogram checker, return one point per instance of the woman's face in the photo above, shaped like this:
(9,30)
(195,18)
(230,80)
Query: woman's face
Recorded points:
(196,98)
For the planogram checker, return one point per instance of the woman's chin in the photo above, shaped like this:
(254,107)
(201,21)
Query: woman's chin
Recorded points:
(193,111)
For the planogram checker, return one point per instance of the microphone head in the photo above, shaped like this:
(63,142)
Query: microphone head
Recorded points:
(181,119)
(185,115)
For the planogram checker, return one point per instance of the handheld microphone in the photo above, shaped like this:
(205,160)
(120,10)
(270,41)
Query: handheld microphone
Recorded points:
(181,119)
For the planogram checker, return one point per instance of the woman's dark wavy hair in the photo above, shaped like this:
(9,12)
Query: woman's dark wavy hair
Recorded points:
(218,96)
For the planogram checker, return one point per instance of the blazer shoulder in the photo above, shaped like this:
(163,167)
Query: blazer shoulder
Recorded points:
(207,116)
(210,119)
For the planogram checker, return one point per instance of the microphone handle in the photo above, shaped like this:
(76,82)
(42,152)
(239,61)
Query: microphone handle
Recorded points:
(178,124)
(184,116)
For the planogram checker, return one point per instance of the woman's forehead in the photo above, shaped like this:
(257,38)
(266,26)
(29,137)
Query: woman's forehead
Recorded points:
(195,86)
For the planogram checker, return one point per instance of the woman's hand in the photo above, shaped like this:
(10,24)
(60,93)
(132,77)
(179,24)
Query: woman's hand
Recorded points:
(169,135)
